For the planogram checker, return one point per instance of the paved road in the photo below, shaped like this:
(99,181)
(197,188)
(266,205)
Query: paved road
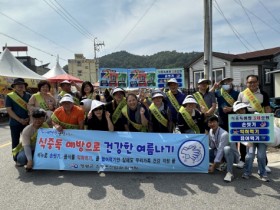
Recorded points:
(90,190)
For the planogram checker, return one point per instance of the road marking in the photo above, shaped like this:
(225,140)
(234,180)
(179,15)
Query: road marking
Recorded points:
(4,145)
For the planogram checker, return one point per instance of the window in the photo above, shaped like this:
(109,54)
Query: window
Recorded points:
(86,67)
(267,76)
(196,76)
(79,63)
(80,73)
(217,75)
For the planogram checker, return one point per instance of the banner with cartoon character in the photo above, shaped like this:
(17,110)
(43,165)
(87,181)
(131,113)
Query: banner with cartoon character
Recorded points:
(142,78)
(255,128)
(112,77)
(86,150)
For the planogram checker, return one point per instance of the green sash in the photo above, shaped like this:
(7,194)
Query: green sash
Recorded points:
(41,101)
(33,139)
(118,111)
(227,97)
(189,120)
(173,100)
(137,126)
(19,101)
(76,100)
(200,100)
(64,125)
(158,115)
(253,100)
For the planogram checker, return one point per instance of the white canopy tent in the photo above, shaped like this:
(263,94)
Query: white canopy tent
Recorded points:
(12,67)
(56,70)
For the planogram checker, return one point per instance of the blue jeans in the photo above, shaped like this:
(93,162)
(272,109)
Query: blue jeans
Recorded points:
(21,158)
(261,155)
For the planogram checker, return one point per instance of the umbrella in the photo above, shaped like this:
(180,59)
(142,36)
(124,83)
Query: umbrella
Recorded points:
(62,77)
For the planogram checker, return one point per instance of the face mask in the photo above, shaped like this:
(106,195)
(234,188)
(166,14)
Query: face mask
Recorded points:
(226,87)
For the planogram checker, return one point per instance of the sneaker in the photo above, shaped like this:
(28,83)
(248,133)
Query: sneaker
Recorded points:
(228,177)
(245,176)
(264,178)
(240,164)
(222,167)
(268,170)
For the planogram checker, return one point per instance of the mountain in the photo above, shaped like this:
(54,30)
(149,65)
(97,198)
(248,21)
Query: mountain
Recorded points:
(160,60)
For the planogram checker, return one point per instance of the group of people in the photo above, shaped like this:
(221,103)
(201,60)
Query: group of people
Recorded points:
(160,112)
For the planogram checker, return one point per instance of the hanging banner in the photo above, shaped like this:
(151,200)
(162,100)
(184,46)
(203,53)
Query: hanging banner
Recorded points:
(112,77)
(142,78)
(85,150)
(163,75)
(251,128)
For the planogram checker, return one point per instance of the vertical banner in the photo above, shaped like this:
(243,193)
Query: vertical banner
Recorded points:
(112,77)
(163,75)
(85,150)
(251,128)
(142,78)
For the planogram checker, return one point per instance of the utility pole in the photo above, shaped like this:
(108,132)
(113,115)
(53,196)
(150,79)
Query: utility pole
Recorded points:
(97,47)
(208,39)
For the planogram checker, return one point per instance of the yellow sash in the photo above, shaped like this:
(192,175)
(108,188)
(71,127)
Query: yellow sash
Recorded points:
(227,97)
(76,100)
(64,125)
(189,120)
(137,126)
(158,115)
(33,139)
(200,100)
(173,100)
(118,111)
(19,101)
(253,100)
(41,101)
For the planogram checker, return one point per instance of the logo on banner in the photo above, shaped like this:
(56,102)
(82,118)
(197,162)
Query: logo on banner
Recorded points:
(191,153)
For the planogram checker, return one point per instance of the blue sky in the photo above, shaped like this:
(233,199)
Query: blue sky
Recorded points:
(141,27)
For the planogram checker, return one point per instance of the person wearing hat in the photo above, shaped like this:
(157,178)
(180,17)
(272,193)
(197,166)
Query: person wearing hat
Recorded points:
(68,115)
(190,120)
(206,100)
(100,119)
(16,105)
(135,115)
(24,151)
(115,106)
(221,149)
(160,117)
(174,98)
(226,96)
(66,89)
(256,98)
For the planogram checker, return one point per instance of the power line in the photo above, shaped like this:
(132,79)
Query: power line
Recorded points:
(66,18)
(251,24)
(269,12)
(36,48)
(231,26)
(21,24)
(139,20)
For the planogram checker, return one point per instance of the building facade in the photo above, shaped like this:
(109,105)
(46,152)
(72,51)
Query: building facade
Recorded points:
(84,69)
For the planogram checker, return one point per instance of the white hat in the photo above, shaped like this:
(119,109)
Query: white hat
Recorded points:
(86,103)
(189,100)
(204,80)
(227,78)
(117,89)
(239,105)
(173,80)
(157,95)
(65,82)
(95,104)
(66,98)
